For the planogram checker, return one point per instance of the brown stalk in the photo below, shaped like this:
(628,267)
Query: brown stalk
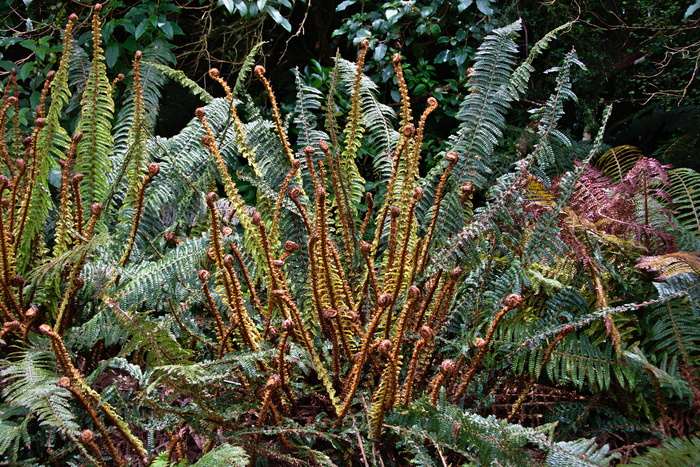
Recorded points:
(385,395)
(79,220)
(342,202)
(87,438)
(447,367)
(4,154)
(17,190)
(309,154)
(353,379)
(75,282)
(39,124)
(248,281)
(451,158)
(296,163)
(66,221)
(276,116)
(204,276)
(282,370)
(427,335)
(294,193)
(440,314)
(235,297)
(153,169)
(14,311)
(406,115)
(512,301)
(65,383)
(408,132)
(417,195)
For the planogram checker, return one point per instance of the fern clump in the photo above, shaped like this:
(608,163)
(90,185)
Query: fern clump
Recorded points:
(161,318)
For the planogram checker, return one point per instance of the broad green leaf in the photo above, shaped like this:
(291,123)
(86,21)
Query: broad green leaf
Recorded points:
(279,19)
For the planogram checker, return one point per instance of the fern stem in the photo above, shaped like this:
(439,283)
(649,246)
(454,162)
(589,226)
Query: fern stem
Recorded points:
(451,158)
(282,370)
(408,132)
(204,276)
(427,335)
(14,311)
(86,437)
(447,367)
(234,294)
(274,233)
(153,169)
(353,379)
(217,254)
(17,190)
(65,383)
(66,222)
(342,202)
(512,301)
(400,270)
(257,304)
(384,397)
(74,282)
(33,170)
(4,153)
(79,220)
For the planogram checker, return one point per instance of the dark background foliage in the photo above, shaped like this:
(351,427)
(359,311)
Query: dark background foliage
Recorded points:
(642,55)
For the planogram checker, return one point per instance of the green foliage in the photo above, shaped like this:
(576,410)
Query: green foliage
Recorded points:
(255,9)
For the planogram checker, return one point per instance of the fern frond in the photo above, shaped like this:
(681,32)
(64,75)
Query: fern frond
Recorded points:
(180,78)
(685,196)
(224,455)
(31,382)
(580,453)
(617,161)
(92,157)
(674,452)
(483,111)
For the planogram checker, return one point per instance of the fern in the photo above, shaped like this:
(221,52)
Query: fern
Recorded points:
(31,384)
(224,455)
(674,452)
(579,453)
(95,122)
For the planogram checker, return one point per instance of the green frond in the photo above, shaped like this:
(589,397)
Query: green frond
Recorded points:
(31,379)
(246,66)
(148,283)
(617,161)
(483,110)
(685,196)
(521,75)
(224,455)
(180,78)
(549,114)
(673,331)
(482,440)
(95,121)
(13,434)
(674,452)
(580,453)
(681,285)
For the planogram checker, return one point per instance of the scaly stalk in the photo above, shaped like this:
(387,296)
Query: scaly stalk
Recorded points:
(153,169)
(512,301)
